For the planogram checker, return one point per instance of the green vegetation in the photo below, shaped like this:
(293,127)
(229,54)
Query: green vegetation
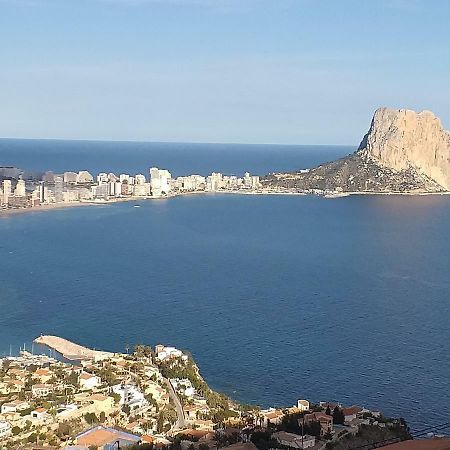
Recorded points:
(338,416)
(371,436)
(219,403)
(90,418)
(264,440)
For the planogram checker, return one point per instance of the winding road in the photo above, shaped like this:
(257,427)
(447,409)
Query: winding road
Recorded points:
(181,422)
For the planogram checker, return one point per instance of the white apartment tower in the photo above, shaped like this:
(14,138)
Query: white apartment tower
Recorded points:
(160,181)
(6,191)
(20,189)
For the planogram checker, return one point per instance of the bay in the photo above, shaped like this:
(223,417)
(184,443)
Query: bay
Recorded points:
(277,297)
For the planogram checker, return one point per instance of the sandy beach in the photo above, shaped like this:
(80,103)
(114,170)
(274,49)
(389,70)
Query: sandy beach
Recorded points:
(55,206)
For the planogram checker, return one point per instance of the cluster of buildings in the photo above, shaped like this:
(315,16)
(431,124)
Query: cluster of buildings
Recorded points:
(82,186)
(109,398)
(96,397)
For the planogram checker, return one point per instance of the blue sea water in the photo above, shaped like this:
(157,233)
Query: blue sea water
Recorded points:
(277,297)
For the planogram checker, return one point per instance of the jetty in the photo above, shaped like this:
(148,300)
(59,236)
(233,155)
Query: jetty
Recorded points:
(71,350)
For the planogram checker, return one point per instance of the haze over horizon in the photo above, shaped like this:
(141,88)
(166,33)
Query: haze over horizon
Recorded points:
(259,71)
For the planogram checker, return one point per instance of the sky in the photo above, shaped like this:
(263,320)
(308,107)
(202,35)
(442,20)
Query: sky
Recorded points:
(248,71)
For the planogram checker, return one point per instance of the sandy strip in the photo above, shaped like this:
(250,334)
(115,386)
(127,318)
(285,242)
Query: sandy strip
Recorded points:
(53,206)
(50,207)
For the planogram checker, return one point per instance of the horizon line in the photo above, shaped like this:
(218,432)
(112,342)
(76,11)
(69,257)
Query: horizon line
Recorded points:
(138,141)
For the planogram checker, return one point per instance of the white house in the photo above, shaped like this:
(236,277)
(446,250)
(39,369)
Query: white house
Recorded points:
(303,405)
(5,429)
(41,390)
(271,415)
(39,414)
(130,396)
(163,353)
(88,381)
(14,406)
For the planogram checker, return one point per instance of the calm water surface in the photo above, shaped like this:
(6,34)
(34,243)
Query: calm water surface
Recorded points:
(277,297)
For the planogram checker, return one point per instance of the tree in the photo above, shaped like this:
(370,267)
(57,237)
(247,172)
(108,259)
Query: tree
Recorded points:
(102,417)
(142,350)
(328,411)
(338,416)
(160,422)
(291,423)
(263,440)
(313,428)
(90,418)
(63,430)
(116,398)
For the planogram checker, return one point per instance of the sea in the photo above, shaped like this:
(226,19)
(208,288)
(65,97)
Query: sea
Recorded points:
(277,297)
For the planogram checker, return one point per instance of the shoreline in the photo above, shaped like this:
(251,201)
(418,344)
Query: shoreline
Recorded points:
(331,195)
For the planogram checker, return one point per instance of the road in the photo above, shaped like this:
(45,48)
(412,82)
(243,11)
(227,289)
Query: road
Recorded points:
(181,422)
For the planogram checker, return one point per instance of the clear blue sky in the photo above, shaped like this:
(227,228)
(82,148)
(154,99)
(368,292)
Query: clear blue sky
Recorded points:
(279,71)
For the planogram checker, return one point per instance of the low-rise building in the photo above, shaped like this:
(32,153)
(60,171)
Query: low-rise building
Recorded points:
(106,438)
(351,413)
(292,440)
(303,405)
(14,386)
(14,406)
(41,390)
(88,381)
(205,425)
(43,375)
(5,429)
(271,415)
(130,396)
(39,414)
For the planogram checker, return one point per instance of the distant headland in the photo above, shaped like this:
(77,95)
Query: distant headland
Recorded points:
(403,152)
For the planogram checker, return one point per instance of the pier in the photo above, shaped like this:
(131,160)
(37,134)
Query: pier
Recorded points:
(70,350)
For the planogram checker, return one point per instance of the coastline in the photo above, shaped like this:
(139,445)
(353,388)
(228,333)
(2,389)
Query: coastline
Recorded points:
(332,195)
(43,208)
(71,350)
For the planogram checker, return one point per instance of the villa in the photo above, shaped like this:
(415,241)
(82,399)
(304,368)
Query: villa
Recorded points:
(88,381)
(105,438)
(41,390)
(39,414)
(130,396)
(14,406)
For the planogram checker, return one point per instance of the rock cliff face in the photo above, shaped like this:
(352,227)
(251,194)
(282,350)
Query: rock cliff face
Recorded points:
(403,139)
(403,151)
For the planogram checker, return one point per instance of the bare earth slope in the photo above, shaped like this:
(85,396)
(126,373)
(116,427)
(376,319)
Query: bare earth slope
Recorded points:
(403,151)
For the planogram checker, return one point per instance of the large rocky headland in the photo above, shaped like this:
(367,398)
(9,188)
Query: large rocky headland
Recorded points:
(403,152)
